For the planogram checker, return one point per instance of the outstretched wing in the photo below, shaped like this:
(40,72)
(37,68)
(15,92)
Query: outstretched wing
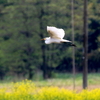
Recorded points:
(55,32)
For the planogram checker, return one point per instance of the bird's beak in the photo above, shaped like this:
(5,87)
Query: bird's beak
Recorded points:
(43,39)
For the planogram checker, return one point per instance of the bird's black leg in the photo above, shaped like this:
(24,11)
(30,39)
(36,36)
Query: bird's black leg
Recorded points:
(70,43)
(73,45)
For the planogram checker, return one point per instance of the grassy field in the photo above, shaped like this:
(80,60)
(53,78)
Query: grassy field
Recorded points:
(64,81)
(58,88)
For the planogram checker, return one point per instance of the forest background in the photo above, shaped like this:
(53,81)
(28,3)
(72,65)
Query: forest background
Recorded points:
(23,23)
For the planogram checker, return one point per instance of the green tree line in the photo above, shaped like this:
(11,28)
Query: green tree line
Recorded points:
(23,23)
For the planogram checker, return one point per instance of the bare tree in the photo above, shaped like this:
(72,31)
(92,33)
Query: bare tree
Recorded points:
(73,49)
(85,46)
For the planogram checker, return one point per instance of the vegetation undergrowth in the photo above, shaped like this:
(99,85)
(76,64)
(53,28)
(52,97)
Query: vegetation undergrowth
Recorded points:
(26,90)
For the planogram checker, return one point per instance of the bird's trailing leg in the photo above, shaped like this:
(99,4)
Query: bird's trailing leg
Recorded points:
(70,43)
(73,45)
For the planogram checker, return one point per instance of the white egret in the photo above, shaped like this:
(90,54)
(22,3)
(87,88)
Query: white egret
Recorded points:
(56,36)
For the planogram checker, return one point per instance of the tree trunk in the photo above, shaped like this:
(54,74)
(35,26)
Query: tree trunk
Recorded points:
(85,46)
(44,66)
(30,74)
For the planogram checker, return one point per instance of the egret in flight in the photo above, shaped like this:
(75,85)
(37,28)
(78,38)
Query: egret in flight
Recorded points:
(56,36)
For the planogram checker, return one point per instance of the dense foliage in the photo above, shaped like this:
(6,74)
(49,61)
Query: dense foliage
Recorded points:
(22,25)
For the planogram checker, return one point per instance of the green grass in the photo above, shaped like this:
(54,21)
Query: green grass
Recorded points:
(67,80)
(63,79)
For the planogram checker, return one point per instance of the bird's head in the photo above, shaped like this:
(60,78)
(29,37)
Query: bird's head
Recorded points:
(47,40)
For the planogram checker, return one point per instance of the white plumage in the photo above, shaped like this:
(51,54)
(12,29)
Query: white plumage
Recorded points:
(56,35)
(55,32)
